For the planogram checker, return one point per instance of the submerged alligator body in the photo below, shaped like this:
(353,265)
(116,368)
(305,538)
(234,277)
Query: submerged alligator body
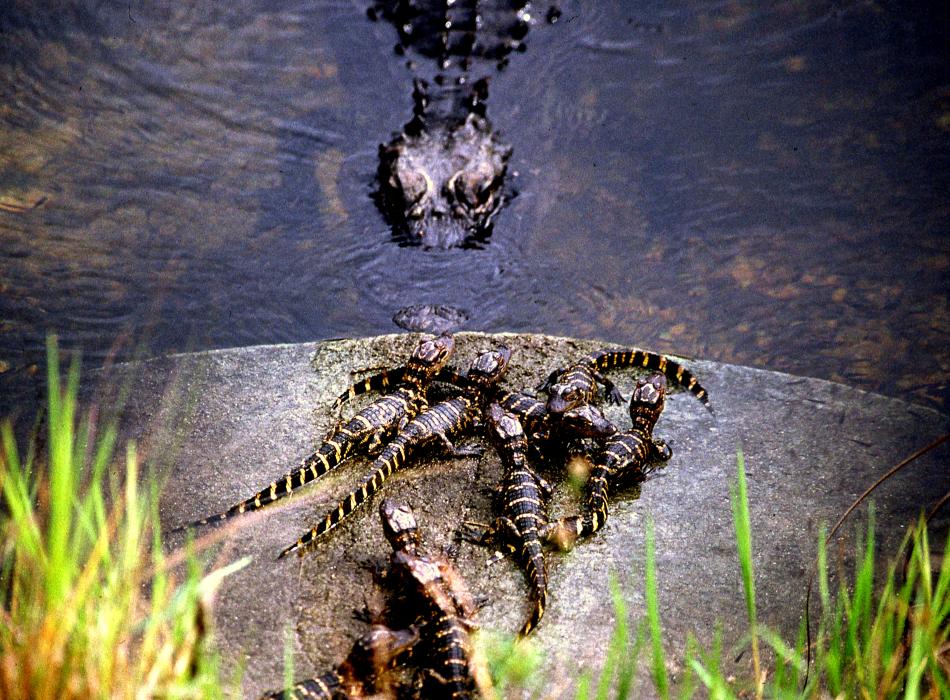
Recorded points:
(442,177)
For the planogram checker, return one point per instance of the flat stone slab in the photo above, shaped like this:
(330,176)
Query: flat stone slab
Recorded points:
(221,425)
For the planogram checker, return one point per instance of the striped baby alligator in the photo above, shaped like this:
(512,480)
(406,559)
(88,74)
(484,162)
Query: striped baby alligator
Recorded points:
(524,513)
(525,493)
(553,436)
(624,459)
(433,597)
(358,675)
(576,384)
(547,431)
(438,424)
(442,178)
(367,430)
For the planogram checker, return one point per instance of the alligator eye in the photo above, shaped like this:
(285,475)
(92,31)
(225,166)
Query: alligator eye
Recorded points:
(572,395)
(414,185)
(473,187)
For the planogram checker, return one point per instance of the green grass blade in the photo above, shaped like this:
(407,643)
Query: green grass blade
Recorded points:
(660,677)
(58,571)
(739,496)
(708,668)
(824,591)
(942,588)
(916,664)
(689,681)
(628,670)
(618,641)
(16,494)
(583,686)
(859,607)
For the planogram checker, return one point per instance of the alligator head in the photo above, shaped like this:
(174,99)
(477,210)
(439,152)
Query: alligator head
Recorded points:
(441,179)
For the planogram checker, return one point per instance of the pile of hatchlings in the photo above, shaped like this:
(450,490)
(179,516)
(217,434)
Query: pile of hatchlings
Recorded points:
(419,645)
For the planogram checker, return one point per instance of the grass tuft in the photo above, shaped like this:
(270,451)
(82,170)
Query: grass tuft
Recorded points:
(87,609)
(619,670)
(876,639)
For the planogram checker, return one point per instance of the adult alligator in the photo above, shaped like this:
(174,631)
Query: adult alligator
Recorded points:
(442,178)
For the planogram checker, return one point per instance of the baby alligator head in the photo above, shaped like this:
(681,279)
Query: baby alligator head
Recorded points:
(442,178)
(647,402)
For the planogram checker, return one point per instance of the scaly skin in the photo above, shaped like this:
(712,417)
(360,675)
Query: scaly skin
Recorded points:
(357,676)
(438,424)
(442,181)
(434,595)
(442,177)
(537,421)
(458,31)
(576,384)
(555,438)
(383,380)
(530,411)
(524,492)
(524,513)
(365,431)
(625,457)
(380,381)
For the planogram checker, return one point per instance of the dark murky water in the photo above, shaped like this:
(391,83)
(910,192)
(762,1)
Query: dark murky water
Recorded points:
(755,182)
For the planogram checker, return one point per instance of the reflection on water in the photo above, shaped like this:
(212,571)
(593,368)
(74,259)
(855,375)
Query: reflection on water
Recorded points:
(754,182)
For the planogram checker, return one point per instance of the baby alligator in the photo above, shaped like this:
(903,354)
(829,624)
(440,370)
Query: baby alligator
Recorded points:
(624,458)
(434,595)
(367,429)
(577,383)
(438,424)
(552,435)
(357,676)
(524,512)
(525,492)
(532,412)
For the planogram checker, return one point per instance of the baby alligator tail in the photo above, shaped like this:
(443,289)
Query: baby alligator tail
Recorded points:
(376,382)
(334,450)
(673,370)
(534,567)
(524,507)
(442,419)
(627,450)
(451,656)
(328,686)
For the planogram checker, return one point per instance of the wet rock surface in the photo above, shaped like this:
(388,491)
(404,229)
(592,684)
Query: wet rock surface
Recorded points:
(221,425)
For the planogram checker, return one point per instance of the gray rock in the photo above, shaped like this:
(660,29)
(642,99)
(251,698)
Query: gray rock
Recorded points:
(220,425)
